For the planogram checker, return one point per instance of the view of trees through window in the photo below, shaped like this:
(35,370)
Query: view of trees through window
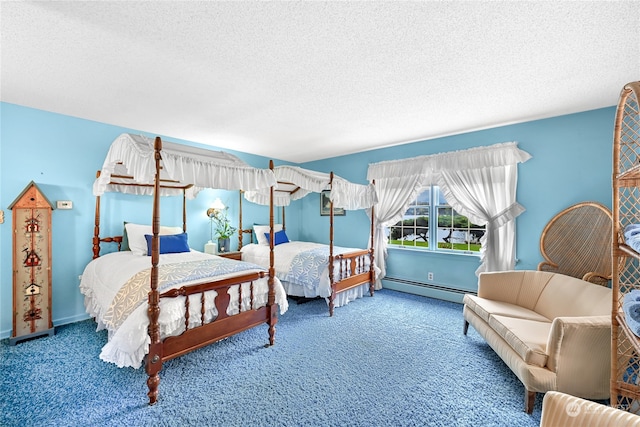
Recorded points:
(454,232)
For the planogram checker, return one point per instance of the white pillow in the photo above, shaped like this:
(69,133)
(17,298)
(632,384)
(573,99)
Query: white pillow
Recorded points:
(137,241)
(259,230)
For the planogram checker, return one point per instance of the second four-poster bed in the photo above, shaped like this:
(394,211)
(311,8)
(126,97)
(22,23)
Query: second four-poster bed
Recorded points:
(158,298)
(309,269)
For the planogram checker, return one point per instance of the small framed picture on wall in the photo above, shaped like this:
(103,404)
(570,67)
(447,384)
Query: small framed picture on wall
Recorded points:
(325,205)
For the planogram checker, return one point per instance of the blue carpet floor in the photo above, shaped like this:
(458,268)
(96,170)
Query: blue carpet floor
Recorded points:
(394,360)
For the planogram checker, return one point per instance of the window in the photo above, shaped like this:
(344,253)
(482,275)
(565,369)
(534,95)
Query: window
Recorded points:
(454,232)
(413,230)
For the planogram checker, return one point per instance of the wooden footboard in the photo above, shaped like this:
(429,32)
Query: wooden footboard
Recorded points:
(353,269)
(223,326)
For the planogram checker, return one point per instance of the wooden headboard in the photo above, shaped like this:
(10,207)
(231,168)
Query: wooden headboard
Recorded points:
(118,239)
(249,231)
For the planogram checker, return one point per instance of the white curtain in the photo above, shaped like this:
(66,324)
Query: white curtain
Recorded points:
(480,183)
(397,193)
(487,197)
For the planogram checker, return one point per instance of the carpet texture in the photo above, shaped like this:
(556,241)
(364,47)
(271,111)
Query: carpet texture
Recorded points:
(395,360)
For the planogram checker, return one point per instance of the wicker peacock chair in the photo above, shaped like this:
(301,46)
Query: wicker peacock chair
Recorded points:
(577,242)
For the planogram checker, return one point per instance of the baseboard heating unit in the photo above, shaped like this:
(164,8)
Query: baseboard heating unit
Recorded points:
(425,289)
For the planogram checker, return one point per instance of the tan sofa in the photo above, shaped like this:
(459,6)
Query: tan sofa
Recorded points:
(552,330)
(563,410)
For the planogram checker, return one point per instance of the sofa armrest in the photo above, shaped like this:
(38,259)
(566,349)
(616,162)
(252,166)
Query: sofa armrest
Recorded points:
(579,350)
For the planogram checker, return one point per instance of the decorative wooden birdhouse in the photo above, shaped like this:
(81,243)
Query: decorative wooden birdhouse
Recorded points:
(32,213)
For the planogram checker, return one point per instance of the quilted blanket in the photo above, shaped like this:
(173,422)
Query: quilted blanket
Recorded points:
(136,290)
(307,267)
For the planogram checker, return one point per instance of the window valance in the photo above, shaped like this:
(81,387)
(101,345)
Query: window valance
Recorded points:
(427,167)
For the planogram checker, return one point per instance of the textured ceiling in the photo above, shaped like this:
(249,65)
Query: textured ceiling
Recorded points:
(303,81)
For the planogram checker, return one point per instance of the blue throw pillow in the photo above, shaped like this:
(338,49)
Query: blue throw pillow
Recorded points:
(170,244)
(278,237)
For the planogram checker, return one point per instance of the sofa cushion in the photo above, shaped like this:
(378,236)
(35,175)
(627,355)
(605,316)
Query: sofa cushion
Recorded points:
(520,287)
(566,296)
(485,307)
(527,337)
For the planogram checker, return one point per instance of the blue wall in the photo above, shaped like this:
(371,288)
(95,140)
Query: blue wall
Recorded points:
(571,163)
(61,154)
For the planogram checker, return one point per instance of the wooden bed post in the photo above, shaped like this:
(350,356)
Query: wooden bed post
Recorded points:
(332,296)
(154,358)
(372,270)
(284,224)
(240,230)
(184,210)
(96,228)
(271,302)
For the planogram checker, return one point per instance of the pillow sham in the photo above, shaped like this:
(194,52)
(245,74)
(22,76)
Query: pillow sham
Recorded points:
(136,232)
(259,231)
(125,239)
(170,244)
(278,237)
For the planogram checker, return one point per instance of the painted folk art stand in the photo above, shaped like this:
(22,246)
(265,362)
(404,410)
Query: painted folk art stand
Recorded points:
(31,265)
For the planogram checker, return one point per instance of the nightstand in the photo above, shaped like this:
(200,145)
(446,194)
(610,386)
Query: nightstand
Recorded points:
(233,255)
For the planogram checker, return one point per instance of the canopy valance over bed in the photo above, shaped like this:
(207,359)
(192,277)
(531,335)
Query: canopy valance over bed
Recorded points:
(294,183)
(129,167)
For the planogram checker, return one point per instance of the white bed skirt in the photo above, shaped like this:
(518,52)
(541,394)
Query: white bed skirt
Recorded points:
(343,298)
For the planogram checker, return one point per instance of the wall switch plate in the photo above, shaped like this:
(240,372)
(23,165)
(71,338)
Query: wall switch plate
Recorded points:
(64,204)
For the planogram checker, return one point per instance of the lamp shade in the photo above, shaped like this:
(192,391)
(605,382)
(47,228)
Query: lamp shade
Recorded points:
(217,204)
(215,207)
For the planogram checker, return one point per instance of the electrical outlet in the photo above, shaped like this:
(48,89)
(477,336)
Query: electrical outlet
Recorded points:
(429,276)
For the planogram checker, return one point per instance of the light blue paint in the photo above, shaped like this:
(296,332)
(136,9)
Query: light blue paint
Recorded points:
(571,163)
(62,155)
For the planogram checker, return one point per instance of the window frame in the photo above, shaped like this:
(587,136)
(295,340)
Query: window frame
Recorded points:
(434,207)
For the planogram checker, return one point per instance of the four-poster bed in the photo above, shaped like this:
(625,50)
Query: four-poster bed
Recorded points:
(186,299)
(309,269)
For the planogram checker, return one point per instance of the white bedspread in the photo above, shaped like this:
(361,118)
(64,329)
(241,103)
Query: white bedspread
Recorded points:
(284,254)
(128,344)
